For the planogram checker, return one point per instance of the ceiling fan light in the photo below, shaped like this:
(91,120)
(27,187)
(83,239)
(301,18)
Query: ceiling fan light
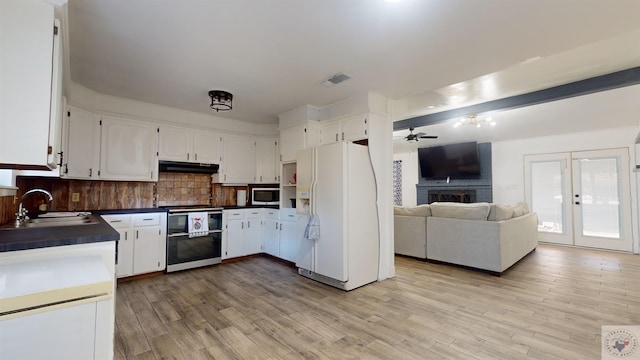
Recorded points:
(473,120)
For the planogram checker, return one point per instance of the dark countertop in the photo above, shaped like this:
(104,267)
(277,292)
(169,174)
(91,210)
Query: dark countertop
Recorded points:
(34,238)
(128,211)
(251,207)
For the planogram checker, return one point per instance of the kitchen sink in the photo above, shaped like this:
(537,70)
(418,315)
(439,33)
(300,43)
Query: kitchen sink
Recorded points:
(55,220)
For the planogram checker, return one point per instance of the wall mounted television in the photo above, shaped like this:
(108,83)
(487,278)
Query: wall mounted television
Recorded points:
(455,161)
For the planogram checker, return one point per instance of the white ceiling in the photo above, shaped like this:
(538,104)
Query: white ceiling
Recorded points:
(273,54)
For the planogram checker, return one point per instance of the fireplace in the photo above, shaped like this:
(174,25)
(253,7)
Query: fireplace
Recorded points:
(451,195)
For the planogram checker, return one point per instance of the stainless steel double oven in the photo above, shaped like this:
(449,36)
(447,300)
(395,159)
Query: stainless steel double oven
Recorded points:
(184,252)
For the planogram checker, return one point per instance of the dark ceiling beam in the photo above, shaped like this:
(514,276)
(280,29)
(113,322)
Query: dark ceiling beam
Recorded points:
(583,87)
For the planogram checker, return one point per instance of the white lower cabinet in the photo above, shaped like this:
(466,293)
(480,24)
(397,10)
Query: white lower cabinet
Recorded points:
(142,245)
(242,233)
(288,239)
(271,231)
(252,231)
(60,302)
(77,341)
(233,233)
(252,239)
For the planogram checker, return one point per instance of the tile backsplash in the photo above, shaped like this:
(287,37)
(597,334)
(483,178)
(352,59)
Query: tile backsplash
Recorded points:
(92,195)
(172,189)
(175,189)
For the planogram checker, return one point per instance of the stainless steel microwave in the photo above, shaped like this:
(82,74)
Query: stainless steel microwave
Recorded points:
(265,196)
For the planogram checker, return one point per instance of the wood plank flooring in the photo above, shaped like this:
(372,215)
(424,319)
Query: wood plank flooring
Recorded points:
(551,305)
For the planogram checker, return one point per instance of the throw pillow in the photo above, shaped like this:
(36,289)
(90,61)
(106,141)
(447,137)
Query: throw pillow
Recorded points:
(473,211)
(420,210)
(500,212)
(520,208)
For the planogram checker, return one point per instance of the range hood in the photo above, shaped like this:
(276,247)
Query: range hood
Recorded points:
(185,167)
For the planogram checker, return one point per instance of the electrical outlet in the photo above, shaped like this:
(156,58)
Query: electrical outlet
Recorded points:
(75,197)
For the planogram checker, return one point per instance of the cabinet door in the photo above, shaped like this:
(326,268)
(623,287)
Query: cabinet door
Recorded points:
(271,237)
(207,147)
(252,237)
(291,140)
(57,104)
(128,150)
(82,138)
(124,251)
(68,332)
(267,160)
(355,128)
(330,133)
(288,245)
(174,143)
(124,267)
(147,249)
(26,49)
(239,160)
(234,233)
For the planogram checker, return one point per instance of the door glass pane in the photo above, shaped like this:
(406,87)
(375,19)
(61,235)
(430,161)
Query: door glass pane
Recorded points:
(546,195)
(600,197)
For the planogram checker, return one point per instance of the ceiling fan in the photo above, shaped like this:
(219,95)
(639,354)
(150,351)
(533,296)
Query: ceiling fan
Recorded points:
(417,136)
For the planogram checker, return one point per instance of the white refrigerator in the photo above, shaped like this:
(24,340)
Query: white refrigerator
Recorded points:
(336,183)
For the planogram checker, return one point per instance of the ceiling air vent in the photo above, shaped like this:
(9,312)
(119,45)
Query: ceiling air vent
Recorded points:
(335,79)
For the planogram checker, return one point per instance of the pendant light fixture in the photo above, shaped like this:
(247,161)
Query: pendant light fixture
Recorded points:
(221,100)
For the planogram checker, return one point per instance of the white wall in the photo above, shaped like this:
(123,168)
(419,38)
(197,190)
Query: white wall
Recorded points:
(7,178)
(508,156)
(409,176)
(110,105)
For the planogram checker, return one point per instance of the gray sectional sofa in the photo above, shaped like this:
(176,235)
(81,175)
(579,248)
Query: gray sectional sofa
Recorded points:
(485,236)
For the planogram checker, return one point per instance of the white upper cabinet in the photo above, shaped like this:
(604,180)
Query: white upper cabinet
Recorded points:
(295,138)
(207,147)
(81,154)
(189,145)
(128,150)
(29,93)
(330,132)
(348,129)
(174,143)
(267,162)
(355,128)
(238,160)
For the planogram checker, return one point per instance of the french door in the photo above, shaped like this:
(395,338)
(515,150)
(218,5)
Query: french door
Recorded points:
(581,198)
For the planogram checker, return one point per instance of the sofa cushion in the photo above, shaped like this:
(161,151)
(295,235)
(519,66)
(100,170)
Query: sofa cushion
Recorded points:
(500,212)
(520,208)
(473,211)
(420,210)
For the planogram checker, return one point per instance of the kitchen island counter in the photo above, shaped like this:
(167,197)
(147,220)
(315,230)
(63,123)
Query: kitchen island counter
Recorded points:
(43,237)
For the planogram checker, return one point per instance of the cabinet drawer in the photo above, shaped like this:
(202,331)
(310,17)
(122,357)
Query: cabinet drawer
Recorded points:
(288,215)
(271,214)
(253,213)
(118,221)
(151,219)
(234,214)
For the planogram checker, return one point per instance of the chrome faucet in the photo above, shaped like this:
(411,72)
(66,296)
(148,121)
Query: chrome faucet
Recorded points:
(21,215)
